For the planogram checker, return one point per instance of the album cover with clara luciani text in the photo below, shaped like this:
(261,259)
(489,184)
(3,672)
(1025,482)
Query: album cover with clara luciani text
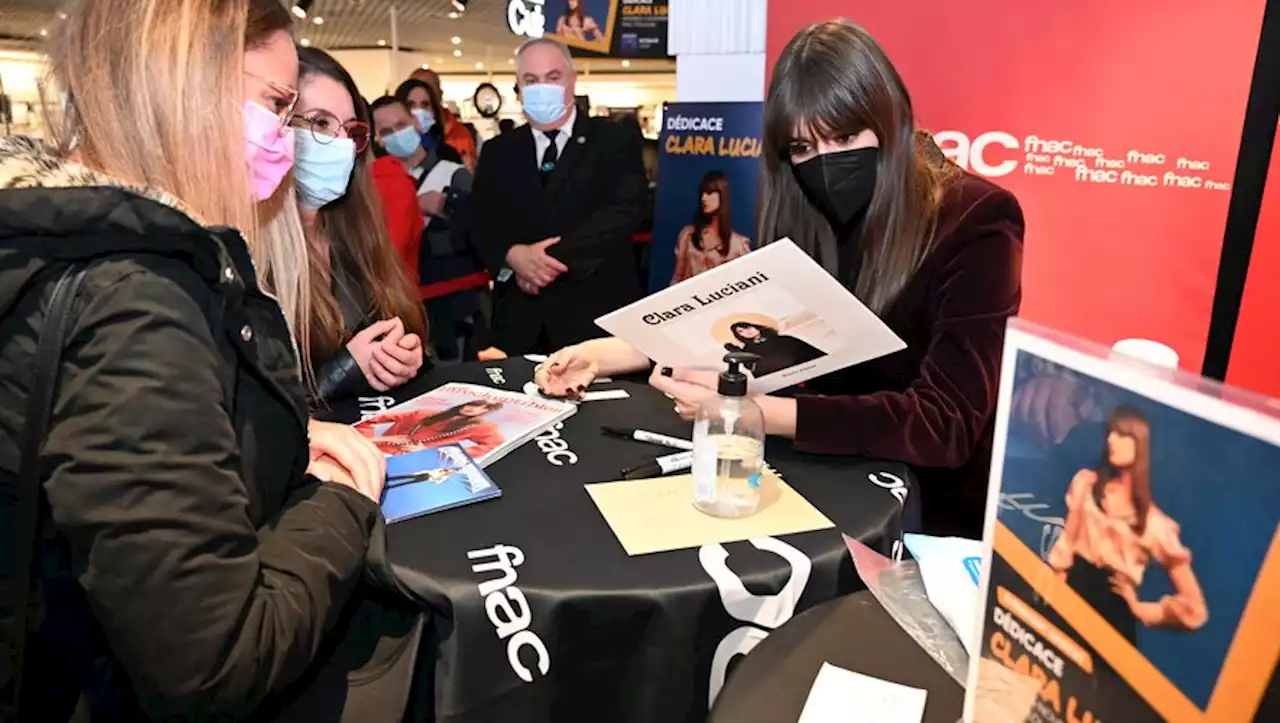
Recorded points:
(775,302)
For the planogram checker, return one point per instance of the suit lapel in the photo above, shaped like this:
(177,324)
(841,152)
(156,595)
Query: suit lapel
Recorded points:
(574,150)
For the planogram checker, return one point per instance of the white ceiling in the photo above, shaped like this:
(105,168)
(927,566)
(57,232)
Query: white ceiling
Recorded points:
(422,25)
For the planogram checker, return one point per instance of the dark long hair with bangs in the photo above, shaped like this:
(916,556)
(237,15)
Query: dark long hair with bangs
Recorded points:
(357,237)
(833,80)
(714,182)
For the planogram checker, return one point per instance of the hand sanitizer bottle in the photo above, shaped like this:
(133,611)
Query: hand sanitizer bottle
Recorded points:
(728,446)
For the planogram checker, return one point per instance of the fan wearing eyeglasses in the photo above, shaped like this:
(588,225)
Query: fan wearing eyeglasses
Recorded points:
(366,324)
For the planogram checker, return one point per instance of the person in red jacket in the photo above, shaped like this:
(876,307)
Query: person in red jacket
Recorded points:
(400,209)
(419,429)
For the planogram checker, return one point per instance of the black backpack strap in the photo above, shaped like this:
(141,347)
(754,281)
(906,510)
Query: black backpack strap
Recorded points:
(35,427)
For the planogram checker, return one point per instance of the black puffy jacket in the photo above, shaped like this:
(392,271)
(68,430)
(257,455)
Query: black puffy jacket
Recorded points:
(189,569)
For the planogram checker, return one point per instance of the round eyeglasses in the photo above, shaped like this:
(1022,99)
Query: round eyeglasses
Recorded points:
(326,128)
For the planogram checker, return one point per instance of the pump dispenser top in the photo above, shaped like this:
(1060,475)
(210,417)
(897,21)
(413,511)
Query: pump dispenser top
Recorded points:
(733,381)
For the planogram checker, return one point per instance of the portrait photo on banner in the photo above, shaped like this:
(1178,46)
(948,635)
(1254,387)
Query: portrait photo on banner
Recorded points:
(586,24)
(1157,519)
(704,213)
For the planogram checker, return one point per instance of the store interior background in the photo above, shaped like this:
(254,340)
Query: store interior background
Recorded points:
(1104,263)
(466,48)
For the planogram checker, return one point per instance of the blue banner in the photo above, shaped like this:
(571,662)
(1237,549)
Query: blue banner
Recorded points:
(704,214)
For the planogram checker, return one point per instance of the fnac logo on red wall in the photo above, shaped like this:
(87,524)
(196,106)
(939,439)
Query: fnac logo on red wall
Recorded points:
(991,154)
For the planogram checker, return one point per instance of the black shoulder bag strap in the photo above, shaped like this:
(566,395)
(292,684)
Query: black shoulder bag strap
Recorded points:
(35,427)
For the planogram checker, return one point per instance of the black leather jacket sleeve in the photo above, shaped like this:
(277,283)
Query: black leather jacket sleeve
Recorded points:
(207,613)
(340,377)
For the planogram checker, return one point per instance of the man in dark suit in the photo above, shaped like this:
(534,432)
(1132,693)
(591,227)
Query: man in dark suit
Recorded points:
(553,209)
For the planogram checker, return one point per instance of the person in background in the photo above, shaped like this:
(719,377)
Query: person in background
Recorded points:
(553,211)
(710,240)
(454,134)
(506,125)
(475,136)
(936,252)
(450,277)
(400,211)
(366,326)
(200,550)
(427,109)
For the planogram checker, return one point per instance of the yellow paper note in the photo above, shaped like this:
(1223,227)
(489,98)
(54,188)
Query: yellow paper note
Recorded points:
(657,515)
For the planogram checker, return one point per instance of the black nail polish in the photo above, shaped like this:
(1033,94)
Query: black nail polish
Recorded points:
(667,371)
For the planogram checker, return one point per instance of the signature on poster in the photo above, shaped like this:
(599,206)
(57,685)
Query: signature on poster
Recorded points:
(1026,503)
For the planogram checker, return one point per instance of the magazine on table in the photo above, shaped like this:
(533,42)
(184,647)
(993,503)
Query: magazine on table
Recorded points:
(486,422)
(775,302)
(431,480)
(1131,564)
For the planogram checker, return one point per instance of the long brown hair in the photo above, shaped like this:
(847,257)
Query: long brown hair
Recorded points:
(833,80)
(407,87)
(1128,422)
(714,182)
(148,81)
(358,239)
(572,12)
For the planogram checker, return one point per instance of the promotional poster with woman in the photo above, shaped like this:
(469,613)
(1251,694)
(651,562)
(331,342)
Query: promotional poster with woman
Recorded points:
(1134,519)
(704,214)
(617,28)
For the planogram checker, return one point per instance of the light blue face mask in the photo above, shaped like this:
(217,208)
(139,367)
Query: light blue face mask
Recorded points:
(322,171)
(425,118)
(543,102)
(403,143)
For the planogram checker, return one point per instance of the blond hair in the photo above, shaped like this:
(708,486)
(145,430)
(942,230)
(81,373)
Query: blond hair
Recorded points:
(155,90)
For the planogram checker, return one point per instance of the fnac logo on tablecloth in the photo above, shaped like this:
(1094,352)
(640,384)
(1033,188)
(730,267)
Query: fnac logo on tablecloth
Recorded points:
(507,607)
(373,406)
(555,446)
(764,613)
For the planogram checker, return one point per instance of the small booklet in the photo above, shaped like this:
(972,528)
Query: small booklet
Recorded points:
(775,302)
(486,422)
(431,480)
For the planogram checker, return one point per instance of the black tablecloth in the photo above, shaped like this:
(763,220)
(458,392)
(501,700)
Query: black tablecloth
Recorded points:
(643,639)
(772,684)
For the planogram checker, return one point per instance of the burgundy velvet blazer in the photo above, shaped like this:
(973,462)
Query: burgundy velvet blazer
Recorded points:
(932,404)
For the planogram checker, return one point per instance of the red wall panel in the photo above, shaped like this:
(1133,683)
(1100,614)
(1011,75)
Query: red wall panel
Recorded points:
(1083,110)
(1255,354)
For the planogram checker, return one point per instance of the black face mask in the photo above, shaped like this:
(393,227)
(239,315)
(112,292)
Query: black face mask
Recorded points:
(840,183)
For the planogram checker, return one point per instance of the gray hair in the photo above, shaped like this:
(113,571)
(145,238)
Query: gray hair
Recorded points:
(551,42)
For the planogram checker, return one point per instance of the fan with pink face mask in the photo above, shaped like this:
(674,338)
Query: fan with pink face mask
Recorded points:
(269,141)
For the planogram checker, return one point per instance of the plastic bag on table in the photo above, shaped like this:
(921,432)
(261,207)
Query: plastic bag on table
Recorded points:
(900,591)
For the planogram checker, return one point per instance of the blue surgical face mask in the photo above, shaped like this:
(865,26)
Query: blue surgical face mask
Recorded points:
(424,118)
(403,143)
(543,102)
(322,171)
